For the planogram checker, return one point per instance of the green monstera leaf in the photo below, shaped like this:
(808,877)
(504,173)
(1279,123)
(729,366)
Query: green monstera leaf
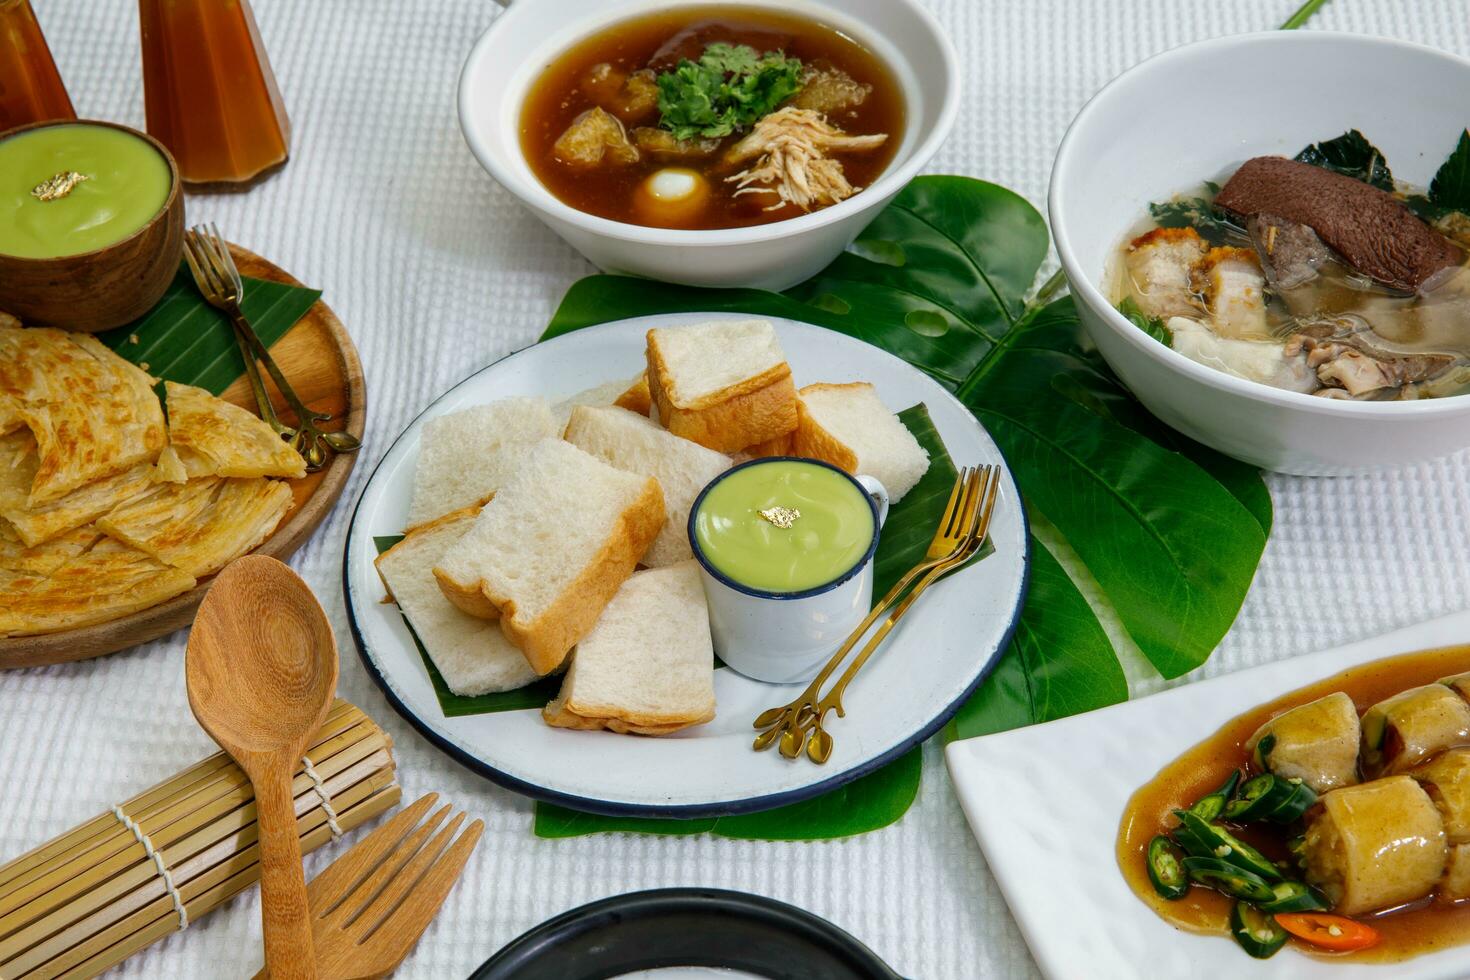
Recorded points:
(1169,531)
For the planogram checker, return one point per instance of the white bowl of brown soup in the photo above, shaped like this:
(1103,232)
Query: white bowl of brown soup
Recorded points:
(709,144)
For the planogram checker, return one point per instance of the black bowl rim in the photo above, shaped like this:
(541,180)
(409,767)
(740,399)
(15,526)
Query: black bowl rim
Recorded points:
(718,903)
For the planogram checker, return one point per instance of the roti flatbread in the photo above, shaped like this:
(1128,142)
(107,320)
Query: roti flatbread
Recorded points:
(81,506)
(22,567)
(101,583)
(92,413)
(201,525)
(18,459)
(214,438)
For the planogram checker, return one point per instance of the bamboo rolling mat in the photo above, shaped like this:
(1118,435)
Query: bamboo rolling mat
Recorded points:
(85,901)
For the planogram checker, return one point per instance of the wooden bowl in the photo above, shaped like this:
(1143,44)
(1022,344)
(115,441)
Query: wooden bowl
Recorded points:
(105,288)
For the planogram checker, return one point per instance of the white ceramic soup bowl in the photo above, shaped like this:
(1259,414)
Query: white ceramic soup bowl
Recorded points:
(1198,111)
(524,39)
(785,637)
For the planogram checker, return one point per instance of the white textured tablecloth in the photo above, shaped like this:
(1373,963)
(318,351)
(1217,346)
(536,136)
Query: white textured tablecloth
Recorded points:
(436,272)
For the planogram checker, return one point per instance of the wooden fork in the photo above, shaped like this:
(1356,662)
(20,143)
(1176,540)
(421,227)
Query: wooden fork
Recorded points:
(371,905)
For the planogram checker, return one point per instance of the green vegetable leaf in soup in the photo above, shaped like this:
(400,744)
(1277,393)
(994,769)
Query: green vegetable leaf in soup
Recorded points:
(1450,188)
(1196,213)
(1151,325)
(1352,156)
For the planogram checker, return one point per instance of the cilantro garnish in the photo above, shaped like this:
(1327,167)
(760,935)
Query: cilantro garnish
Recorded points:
(726,90)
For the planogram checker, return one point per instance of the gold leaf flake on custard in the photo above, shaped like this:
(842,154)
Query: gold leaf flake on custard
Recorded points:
(782,517)
(57,187)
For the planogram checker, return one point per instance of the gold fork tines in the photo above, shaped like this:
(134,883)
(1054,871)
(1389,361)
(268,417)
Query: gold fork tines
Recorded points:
(790,723)
(371,905)
(218,279)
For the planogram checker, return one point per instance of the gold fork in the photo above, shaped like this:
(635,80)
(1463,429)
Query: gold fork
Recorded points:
(784,722)
(219,280)
(819,749)
(371,905)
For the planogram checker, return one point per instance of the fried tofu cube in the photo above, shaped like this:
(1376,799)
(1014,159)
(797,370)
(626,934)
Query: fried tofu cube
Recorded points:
(595,136)
(831,91)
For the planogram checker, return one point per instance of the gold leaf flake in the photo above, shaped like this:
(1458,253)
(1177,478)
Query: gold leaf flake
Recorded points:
(782,517)
(59,186)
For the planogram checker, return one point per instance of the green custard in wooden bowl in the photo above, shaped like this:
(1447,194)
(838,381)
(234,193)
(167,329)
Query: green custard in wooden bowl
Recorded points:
(91,224)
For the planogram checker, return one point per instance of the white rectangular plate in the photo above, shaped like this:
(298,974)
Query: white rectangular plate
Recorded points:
(1045,802)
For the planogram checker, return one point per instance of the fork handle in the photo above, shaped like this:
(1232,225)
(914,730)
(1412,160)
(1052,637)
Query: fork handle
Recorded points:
(938,570)
(809,696)
(252,373)
(304,416)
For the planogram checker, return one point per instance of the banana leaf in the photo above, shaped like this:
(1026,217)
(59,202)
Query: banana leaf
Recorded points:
(184,339)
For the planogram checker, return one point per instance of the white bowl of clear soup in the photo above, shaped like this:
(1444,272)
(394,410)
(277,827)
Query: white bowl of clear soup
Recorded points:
(1196,114)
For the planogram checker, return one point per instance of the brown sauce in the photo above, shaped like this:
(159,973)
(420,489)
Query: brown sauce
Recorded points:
(658,41)
(1420,929)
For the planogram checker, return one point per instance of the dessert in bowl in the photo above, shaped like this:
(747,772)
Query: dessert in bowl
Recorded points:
(1296,398)
(713,145)
(785,547)
(91,223)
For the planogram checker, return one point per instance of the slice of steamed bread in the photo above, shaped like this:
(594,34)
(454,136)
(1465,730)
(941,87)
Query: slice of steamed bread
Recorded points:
(553,546)
(465,456)
(472,655)
(647,667)
(633,443)
(848,426)
(630,393)
(725,385)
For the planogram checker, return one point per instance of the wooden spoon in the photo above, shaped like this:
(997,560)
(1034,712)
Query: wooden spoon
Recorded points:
(262,671)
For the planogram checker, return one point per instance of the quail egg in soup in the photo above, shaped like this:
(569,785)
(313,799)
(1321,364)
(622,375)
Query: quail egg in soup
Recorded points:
(712,117)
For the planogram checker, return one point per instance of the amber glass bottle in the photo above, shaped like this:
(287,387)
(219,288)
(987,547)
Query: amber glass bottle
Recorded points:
(209,90)
(30,86)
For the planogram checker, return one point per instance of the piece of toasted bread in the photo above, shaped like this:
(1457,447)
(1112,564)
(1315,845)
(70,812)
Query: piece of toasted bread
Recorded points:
(637,398)
(552,547)
(725,385)
(472,654)
(633,443)
(465,456)
(647,667)
(848,426)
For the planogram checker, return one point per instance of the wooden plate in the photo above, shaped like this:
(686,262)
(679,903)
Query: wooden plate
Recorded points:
(319,360)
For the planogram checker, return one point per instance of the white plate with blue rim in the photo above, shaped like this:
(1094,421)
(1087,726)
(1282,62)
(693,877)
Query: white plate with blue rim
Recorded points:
(928,667)
(1045,803)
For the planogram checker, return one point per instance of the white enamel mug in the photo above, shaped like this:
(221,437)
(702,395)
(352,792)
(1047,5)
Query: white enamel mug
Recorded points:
(786,637)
